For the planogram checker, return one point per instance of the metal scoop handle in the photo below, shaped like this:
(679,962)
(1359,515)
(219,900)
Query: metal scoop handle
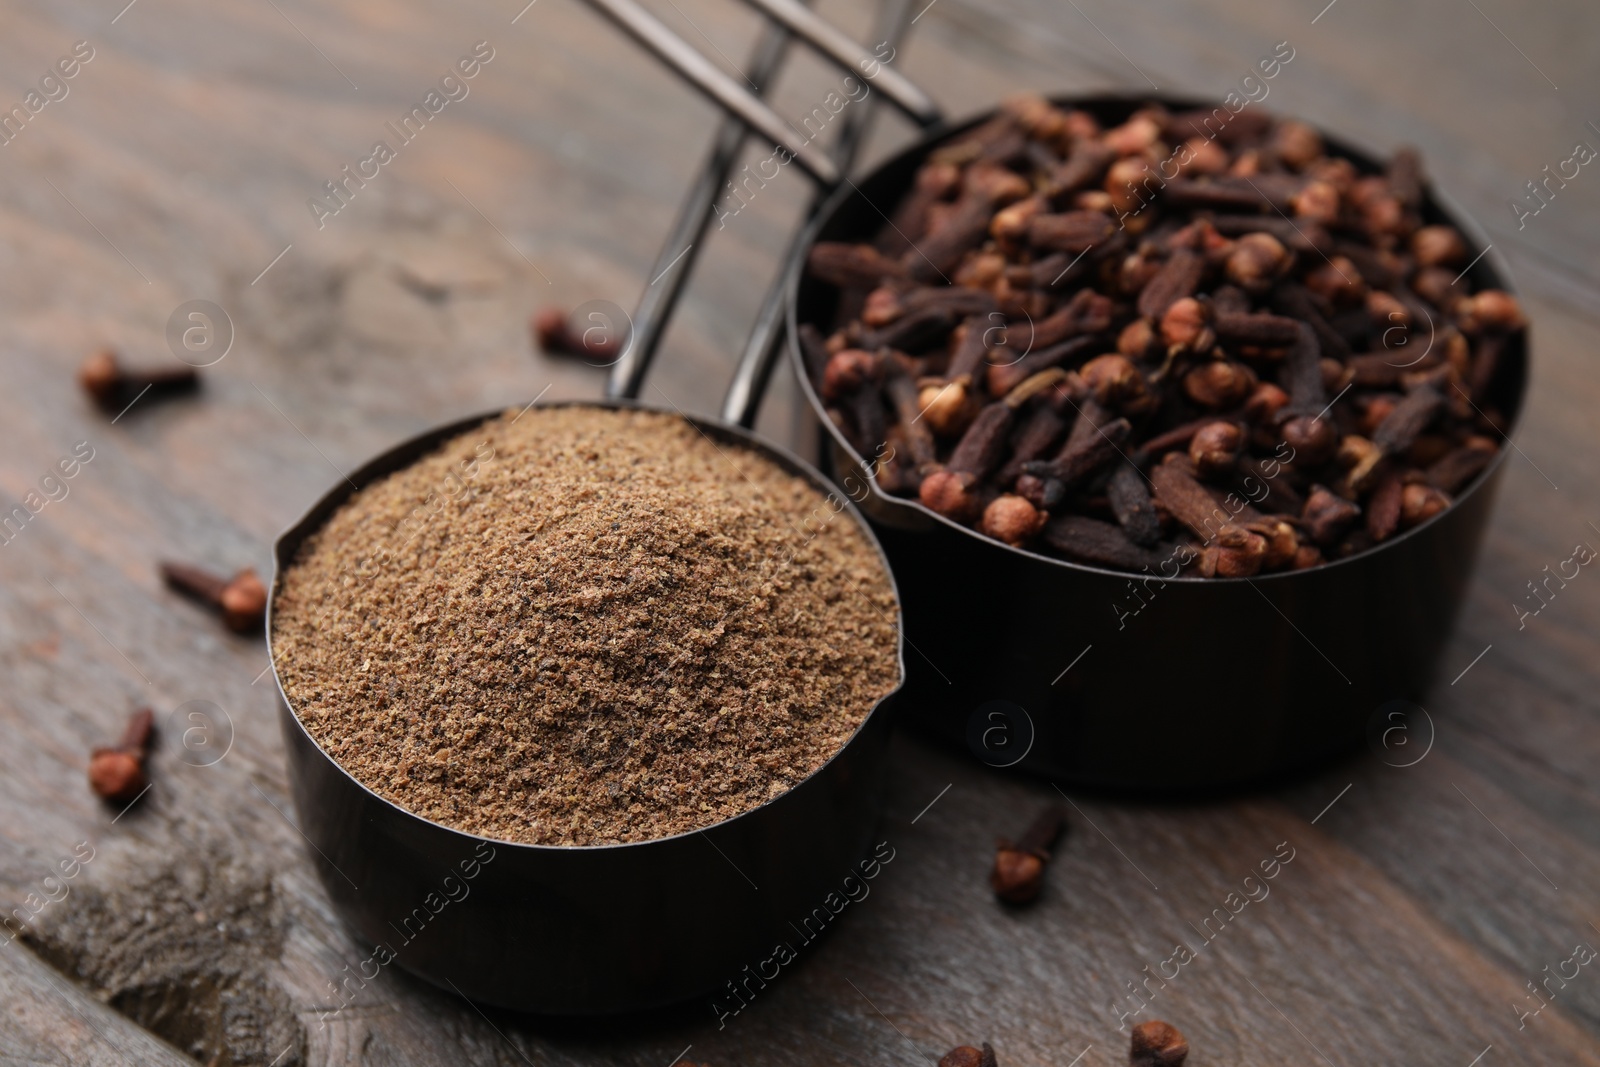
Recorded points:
(747,111)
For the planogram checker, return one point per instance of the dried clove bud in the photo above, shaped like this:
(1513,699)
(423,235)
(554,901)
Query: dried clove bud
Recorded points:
(1230,549)
(113,387)
(1459,466)
(1327,515)
(1073,232)
(1492,309)
(241,600)
(950,494)
(1018,871)
(945,407)
(847,371)
(1012,519)
(1419,503)
(1297,144)
(1137,339)
(1271,331)
(1265,404)
(117,774)
(552,332)
(1383,507)
(1157,1044)
(1083,454)
(1176,279)
(1115,382)
(1337,281)
(1186,326)
(1214,448)
(1317,203)
(1257,261)
(1407,420)
(1092,541)
(1129,497)
(967,1056)
(1219,384)
(1438,246)
(851,265)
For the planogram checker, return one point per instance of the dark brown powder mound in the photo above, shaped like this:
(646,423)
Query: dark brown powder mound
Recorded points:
(579,627)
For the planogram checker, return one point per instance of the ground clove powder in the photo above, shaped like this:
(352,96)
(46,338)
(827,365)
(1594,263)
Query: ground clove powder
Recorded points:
(578,626)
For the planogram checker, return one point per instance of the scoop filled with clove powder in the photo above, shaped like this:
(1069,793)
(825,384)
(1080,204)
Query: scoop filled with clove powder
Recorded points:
(583,626)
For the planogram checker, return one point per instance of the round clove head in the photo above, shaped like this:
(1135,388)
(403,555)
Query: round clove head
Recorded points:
(945,409)
(1433,284)
(1042,120)
(847,371)
(1318,202)
(1012,519)
(1419,503)
(1335,375)
(1378,409)
(1257,261)
(1043,493)
(1387,311)
(1383,218)
(1127,182)
(1338,281)
(1215,448)
(1205,157)
(1265,403)
(101,377)
(1438,246)
(1114,380)
(1186,325)
(1306,556)
(1327,515)
(1297,144)
(882,306)
(1017,876)
(962,1056)
(243,602)
(1336,171)
(116,775)
(1137,339)
(1314,440)
(1493,309)
(950,494)
(550,330)
(1133,136)
(1219,384)
(1157,1044)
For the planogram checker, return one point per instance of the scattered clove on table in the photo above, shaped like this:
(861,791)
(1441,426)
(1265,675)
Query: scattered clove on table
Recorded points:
(553,334)
(113,386)
(240,600)
(117,773)
(1018,872)
(967,1056)
(1157,1044)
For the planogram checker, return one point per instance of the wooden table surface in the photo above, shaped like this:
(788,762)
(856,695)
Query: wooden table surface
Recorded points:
(1421,903)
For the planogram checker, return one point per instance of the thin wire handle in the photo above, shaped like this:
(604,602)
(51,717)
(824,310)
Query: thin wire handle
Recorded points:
(742,402)
(843,50)
(675,261)
(710,79)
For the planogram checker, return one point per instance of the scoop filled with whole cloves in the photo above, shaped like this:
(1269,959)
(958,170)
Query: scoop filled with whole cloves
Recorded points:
(1176,342)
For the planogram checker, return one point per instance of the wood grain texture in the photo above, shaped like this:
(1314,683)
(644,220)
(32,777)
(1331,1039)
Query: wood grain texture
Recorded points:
(1417,907)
